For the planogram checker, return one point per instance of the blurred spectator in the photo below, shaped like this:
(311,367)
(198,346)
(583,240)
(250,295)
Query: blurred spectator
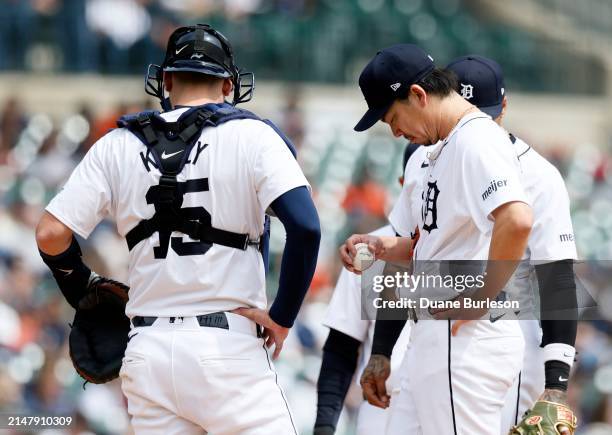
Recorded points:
(12,122)
(365,197)
(120,25)
(16,17)
(292,117)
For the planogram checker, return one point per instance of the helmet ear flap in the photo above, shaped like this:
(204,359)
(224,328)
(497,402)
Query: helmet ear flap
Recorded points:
(154,85)
(244,87)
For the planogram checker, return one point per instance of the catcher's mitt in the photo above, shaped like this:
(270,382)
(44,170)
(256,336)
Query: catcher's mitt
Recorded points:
(99,333)
(546,418)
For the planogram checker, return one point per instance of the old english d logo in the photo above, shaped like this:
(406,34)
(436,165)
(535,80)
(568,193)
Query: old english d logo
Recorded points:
(429,210)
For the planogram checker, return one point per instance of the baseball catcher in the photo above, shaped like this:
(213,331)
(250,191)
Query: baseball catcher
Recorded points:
(188,189)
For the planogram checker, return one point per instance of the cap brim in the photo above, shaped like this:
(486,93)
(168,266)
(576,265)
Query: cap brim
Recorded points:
(493,111)
(371,117)
(195,66)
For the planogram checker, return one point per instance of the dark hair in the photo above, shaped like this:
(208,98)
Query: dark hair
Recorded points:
(194,78)
(440,82)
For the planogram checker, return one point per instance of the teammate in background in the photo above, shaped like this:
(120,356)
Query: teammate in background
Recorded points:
(189,189)
(548,258)
(461,381)
(548,265)
(348,347)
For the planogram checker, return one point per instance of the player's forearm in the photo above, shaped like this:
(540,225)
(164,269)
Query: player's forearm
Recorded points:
(386,334)
(509,238)
(397,250)
(558,307)
(340,354)
(558,302)
(298,215)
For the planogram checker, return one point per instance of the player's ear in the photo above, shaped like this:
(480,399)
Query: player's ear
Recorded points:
(418,94)
(168,84)
(228,87)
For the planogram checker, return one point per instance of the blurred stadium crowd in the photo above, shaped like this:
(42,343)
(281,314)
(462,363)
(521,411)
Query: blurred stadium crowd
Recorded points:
(354,185)
(290,40)
(354,177)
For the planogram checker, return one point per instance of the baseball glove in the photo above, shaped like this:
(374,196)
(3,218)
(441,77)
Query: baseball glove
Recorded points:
(99,332)
(546,418)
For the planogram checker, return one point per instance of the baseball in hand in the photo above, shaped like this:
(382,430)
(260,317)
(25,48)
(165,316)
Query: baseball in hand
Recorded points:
(364,258)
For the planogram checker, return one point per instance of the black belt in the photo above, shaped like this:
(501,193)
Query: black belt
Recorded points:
(212,320)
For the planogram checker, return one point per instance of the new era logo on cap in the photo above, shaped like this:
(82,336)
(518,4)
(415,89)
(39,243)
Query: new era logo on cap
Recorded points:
(396,86)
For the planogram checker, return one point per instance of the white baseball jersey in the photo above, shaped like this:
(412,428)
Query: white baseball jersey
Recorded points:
(551,239)
(345,314)
(552,235)
(405,219)
(471,173)
(247,166)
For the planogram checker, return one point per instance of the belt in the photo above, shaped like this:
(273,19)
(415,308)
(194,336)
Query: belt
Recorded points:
(212,320)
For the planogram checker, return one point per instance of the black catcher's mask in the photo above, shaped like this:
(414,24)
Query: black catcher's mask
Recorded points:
(199,49)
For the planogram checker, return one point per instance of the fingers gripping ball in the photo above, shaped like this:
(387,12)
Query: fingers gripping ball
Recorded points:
(546,418)
(364,258)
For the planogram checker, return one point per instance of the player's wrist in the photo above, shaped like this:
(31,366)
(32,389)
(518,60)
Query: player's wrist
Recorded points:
(556,375)
(70,272)
(276,315)
(554,395)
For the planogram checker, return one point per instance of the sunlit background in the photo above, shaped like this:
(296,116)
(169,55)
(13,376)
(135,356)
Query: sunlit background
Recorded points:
(69,68)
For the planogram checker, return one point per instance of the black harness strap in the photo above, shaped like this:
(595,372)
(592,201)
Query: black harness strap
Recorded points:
(166,140)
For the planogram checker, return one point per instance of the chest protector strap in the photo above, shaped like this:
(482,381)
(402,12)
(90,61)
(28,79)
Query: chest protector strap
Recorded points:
(170,144)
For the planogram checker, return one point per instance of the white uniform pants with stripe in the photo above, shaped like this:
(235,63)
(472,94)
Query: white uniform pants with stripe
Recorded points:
(181,378)
(456,385)
(530,383)
(371,419)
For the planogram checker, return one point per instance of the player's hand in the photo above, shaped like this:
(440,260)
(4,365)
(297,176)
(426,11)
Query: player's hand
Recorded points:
(273,333)
(458,324)
(348,250)
(373,381)
(550,414)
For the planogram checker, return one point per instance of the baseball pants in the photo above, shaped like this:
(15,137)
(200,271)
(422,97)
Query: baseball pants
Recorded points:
(371,419)
(456,385)
(183,378)
(530,383)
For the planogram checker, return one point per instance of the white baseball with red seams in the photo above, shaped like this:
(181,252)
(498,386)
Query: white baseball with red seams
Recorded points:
(364,258)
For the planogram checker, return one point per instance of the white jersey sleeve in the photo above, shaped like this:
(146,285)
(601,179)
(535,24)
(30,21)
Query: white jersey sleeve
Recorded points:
(492,170)
(87,196)
(275,169)
(552,235)
(404,215)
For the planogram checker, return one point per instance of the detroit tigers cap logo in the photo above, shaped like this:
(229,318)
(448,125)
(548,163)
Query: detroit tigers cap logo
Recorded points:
(467,91)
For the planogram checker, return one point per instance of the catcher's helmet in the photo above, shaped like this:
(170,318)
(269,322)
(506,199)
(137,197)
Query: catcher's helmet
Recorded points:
(200,49)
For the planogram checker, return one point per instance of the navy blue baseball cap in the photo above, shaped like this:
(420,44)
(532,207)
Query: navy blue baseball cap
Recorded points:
(481,82)
(389,76)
